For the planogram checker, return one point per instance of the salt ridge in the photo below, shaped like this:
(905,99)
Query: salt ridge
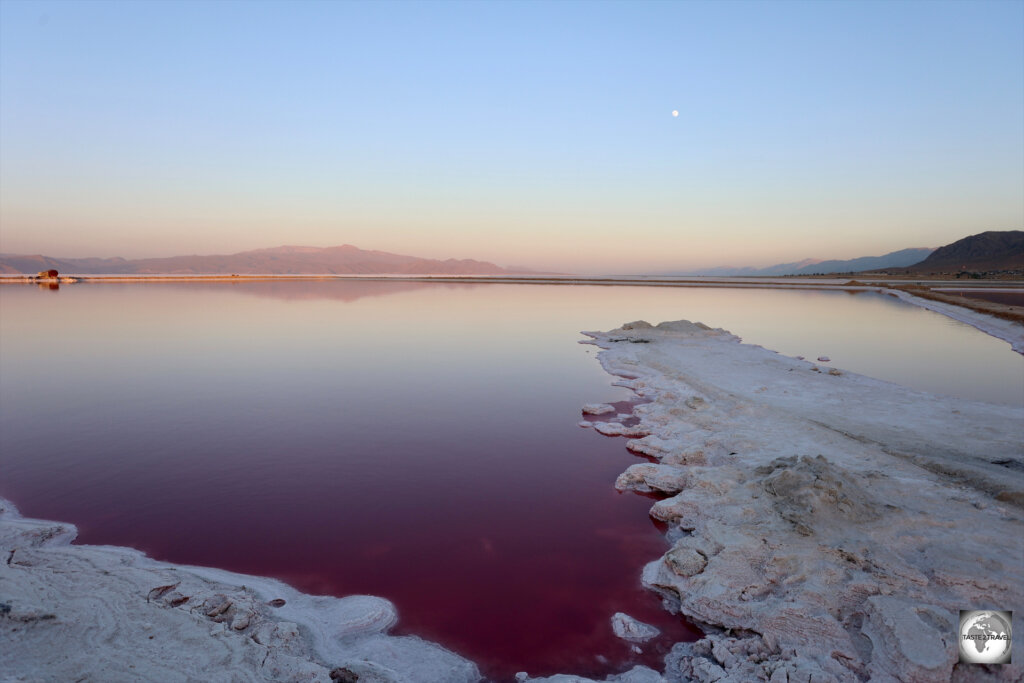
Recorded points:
(825,526)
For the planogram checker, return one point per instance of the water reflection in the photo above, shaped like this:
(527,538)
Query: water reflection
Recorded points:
(293,290)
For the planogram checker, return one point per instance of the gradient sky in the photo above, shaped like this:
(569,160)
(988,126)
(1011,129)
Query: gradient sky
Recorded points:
(526,133)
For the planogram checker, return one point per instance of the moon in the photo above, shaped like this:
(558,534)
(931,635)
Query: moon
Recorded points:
(675,112)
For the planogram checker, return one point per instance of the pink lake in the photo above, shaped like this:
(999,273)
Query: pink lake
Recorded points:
(413,441)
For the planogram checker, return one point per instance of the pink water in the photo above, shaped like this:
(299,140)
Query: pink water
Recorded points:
(417,442)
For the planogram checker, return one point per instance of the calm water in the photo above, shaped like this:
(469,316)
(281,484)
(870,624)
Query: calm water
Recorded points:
(1008,298)
(415,441)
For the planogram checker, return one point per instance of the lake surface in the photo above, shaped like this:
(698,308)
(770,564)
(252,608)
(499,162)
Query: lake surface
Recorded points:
(1001,297)
(416,441)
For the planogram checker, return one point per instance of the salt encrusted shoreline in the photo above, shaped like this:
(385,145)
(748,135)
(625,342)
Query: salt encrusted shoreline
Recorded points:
(826,526)
(105,613)
(111,614)
(1006,330)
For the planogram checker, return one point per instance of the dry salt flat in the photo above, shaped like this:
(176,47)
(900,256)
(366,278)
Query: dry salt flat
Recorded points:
(823,526)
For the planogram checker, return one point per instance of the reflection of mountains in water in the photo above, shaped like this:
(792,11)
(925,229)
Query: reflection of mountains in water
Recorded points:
(337,290)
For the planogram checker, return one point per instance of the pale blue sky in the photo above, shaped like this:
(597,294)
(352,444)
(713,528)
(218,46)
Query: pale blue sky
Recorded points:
(522,133)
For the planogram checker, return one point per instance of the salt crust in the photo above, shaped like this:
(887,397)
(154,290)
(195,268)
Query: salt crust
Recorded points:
(823,527)
(104,613)
(629,629)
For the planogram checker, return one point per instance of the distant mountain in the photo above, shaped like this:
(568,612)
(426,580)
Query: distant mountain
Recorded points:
(895,259)
(986,251)
(287,260)
(32,264)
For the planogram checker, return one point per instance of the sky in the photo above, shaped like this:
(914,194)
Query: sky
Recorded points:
(525,133)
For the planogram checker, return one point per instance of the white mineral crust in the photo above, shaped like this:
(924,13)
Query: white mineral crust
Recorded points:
(628,628)
(825,526)
(103,613)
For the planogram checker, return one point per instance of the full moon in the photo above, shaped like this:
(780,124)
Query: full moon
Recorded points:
(675,112)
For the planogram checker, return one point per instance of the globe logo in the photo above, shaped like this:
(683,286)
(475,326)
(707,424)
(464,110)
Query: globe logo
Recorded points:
(985,637)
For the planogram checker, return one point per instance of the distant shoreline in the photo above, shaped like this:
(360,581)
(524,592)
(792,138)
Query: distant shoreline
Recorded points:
(922,292)
(682,280)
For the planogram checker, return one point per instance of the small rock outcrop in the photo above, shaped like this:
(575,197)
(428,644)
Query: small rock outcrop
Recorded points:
(628,628)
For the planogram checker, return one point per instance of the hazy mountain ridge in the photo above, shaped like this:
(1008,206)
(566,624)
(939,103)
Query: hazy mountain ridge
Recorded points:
(993,250)
(987,251)
(894,259)
(284,260)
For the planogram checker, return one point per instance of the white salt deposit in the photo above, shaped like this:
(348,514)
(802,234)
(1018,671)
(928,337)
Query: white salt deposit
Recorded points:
(80,612)
(628,628)
(825,526)
(618,429)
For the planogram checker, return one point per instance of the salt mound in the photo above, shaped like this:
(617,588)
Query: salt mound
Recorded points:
(641,331)
(628,628)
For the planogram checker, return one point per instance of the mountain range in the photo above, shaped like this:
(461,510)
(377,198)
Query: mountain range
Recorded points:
(994,250)
(895,259)
(987,251)
(287,260)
